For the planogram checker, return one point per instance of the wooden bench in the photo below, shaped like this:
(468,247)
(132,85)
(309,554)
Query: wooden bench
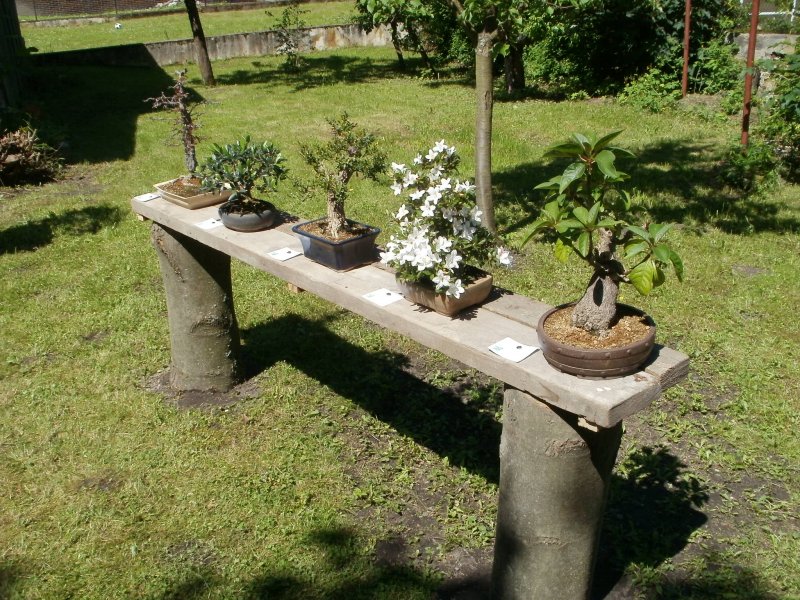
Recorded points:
(560,433)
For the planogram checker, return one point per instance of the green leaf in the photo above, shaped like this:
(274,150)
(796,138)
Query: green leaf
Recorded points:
(642,277)
(663,253)
(552,210)
(659,277)
(571,174)
(635,248)
(562,251)
(594,212)
(642,233)
(606,139)
(659,230)
(605,160)
(567,224)
(582,215)
(607,223)
(584,142)
(551,184)
(538,225)
(584,243)
(567,150)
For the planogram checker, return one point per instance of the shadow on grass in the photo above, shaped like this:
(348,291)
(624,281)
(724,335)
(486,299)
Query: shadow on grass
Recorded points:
(464,431)
(35,234)
(686,171)
(92,112)
(316,71)
(652,511)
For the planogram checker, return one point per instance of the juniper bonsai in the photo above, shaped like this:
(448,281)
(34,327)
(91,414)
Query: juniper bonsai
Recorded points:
(185,124)
(590,216)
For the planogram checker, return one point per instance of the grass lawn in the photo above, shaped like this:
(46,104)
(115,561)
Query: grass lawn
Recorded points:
(354,463)
(160,28)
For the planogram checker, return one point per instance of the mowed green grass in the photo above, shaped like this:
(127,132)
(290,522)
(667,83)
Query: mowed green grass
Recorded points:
(164,27)
(110,491)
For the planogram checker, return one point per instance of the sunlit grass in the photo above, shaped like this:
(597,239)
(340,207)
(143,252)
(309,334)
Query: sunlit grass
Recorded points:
(111,492)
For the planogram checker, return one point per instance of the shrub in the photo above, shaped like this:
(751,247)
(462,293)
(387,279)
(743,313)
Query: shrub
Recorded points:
(716,68)
(750,169)
(655,91)
(24,158)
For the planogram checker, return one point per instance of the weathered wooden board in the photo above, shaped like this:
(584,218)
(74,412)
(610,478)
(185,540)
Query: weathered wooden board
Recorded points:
(466,338)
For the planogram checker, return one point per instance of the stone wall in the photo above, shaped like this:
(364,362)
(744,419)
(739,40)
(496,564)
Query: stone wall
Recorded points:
(220,47)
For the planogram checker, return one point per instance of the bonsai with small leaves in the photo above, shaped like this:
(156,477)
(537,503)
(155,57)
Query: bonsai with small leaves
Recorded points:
(350,151)
(244,166)
(441,238)
(591,217)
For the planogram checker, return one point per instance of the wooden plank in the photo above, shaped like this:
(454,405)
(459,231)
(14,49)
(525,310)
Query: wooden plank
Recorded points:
(466,338)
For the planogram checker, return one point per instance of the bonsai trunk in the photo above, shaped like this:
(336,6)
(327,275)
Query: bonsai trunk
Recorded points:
(337,222)
(596,310)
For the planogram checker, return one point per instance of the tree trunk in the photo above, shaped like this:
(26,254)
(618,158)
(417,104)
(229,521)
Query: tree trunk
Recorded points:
(204,336)
(200,48)
(554,479)
(337,223)
(598,307)
(397,47)
(484,92)
(417,43)
(515,69)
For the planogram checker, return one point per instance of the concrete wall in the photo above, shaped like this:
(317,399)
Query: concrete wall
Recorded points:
(219,47)
(766,44)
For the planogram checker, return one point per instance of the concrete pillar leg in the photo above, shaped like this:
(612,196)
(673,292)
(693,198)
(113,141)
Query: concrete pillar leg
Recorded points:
(553,485)
(204,335)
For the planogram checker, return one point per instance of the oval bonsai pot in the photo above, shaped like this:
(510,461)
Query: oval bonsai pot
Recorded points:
(341,255)
(248,221)
(596,363)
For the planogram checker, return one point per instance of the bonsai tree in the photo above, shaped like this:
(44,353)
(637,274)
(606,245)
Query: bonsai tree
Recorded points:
(244,166)
(589,216)
(185,125)
(441,238)
(350,151)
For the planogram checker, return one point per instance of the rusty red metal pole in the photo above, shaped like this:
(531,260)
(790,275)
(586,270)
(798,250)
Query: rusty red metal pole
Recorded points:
(748,78)
(687,22)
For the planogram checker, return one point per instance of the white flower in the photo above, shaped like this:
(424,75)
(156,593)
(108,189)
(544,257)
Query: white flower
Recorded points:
(464,186)
(475,215)
(417,195)
(435,173)
(410,178)
(451,150)
(434,195)
(402,212)
(444,184)
(456,289)
(442,280)
(451,260)
(428,209)
(448,214)
(418,159)
(397,188)
(442,244)
(439,146)
(398,168)
(432,154)
(503,256)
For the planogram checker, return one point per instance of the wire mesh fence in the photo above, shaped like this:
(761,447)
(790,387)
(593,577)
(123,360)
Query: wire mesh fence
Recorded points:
(34,10)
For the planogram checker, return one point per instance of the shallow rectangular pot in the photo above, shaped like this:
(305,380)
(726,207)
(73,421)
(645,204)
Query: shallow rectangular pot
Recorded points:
(342,255)
(425,295)
(198,201)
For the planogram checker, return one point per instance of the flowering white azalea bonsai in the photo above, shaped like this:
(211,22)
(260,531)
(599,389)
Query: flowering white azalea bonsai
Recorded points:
(441,240)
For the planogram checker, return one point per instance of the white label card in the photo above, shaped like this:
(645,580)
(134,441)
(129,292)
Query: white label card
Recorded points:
(283,254)
(383,297)
(147,197)
(512,350)
(210,223)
